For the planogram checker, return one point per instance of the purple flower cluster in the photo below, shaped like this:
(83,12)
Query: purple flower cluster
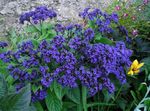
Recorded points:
(99,61)
(41,13)
(97,13)
(89,34)
(92,64)
(101,20)
(39,95)
(37,64)
(124,31)
(58,41)
(3,44)
(6,56)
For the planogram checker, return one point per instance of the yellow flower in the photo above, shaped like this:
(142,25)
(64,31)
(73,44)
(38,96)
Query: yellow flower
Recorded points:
(135,67)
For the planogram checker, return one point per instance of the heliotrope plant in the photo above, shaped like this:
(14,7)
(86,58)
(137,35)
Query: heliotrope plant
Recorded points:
(74,57)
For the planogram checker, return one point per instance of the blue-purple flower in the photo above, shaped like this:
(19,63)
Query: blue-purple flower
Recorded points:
(3,44)
(41,13)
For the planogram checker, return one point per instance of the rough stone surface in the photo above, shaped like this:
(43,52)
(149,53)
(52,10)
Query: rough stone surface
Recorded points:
(67,10)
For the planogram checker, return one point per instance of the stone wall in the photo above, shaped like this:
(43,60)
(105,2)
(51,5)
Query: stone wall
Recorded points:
(66,9)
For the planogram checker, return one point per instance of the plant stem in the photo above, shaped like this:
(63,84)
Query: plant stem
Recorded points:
(79,107)
(91,108)
(35,27)
(98,100)
(117,95)
(100,104)
(129,109)
(41,27)
(84,99)
(144,98)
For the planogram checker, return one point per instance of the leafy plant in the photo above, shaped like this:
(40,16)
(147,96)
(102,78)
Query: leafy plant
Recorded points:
(13,101)
(133,15)
(145,102)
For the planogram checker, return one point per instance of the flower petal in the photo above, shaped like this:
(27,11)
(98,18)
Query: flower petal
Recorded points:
(135,63)
(130,72)
(136,72)
(140,65)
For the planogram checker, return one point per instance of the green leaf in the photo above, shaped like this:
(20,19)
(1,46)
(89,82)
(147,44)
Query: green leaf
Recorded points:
(35,88)
(13,33)
(104,41)
(143,86)
(146,61)
(149,77)
(91,24)
(32,108)
(10,79)
(58,90)
(3,86)
(3,68)
(52,102)
(107,96)
(32,29)
(98,37)
(147,102)
(74,95)
(134,96)
(35,42)
(38,106)
(122,103)
(46,26)
(68,104)
(17,102)
(48,35)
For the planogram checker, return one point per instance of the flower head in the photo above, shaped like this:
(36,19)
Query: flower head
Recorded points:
(135,32)
(3,44)
(125,15)
(145,1)
(135,67)
(117,7)
(41,13)
(133,18)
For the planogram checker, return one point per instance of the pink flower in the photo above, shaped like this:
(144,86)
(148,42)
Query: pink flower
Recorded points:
(117,7)
(145,1)
(135,32)
(133,18)
(125,15)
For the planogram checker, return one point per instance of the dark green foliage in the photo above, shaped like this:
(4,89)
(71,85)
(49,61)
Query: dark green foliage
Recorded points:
(19,101)
(53,103)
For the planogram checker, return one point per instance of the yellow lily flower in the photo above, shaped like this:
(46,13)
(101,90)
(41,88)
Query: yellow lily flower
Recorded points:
(135,67)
